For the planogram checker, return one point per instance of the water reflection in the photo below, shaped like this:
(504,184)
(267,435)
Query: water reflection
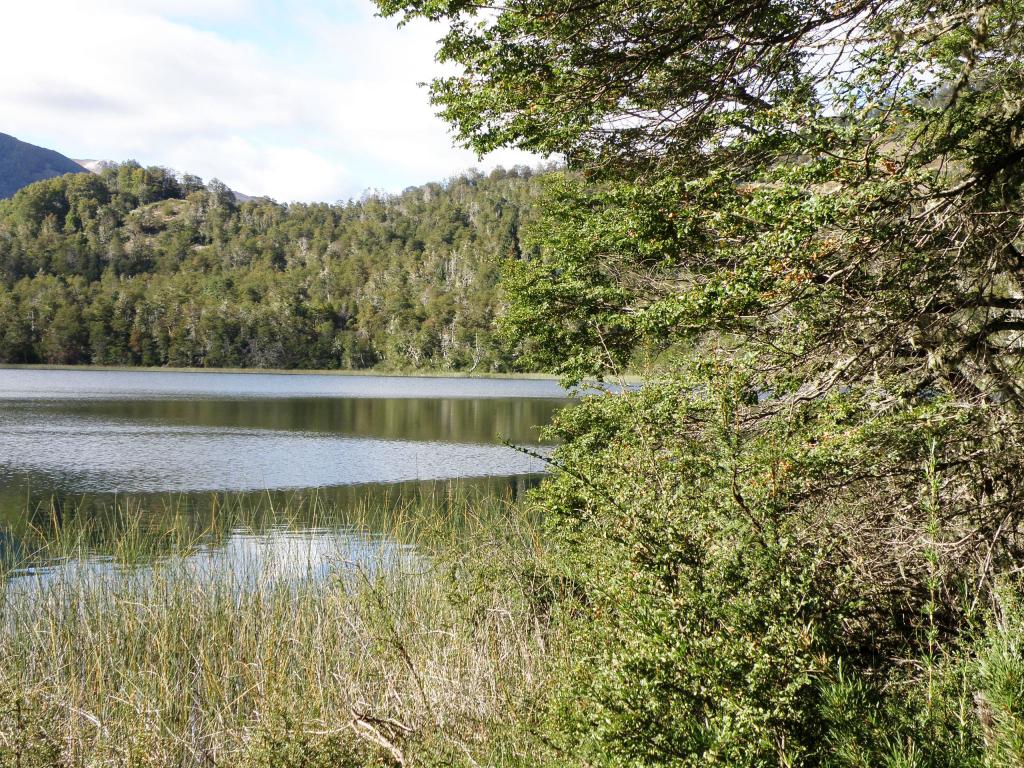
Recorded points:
(134,385)
(90,458)
(258,537)
(430,419)
(253,470)
(245,558)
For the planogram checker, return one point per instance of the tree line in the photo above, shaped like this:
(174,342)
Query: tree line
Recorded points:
(139,266)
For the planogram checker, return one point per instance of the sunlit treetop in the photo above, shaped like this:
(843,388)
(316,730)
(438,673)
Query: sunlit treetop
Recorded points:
(834,186)
(613,81)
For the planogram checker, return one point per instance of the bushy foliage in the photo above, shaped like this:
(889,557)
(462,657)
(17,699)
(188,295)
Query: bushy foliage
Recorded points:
(740,605)
(788,558)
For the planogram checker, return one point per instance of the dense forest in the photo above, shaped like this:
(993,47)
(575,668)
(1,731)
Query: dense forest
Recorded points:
(137,266)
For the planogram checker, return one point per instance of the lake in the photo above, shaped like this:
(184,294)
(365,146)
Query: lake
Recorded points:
(293,453)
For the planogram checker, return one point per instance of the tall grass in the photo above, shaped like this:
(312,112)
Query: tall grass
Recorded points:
(436,656)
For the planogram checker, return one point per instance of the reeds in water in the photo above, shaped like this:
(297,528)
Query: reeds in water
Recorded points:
(421,646)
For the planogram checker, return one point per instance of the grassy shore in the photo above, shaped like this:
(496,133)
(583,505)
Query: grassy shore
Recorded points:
(434,659)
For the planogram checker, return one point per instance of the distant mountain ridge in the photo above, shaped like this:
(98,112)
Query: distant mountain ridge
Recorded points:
(22,164)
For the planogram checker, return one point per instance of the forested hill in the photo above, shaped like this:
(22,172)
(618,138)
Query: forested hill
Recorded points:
(136,266)
(22,163)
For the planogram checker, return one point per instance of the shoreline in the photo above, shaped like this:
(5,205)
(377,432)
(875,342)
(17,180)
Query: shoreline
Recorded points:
(277,371)
(629,379)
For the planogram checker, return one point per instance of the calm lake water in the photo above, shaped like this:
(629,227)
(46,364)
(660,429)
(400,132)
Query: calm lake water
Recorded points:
(162,445)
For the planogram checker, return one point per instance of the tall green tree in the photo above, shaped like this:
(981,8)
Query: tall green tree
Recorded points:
(809,215)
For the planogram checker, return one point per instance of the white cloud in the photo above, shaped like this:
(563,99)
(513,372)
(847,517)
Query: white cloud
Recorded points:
(188,8)
(293,173)
(273,99)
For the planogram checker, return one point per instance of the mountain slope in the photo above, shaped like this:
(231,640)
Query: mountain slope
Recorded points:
(22,164)
(137,266)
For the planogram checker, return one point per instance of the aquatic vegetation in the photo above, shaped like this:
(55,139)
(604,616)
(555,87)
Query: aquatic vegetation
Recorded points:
(379,660)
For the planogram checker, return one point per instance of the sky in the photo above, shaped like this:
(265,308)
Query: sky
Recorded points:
(299,100)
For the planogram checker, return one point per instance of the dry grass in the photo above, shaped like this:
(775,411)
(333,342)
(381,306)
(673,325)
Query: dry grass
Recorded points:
(409,660)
